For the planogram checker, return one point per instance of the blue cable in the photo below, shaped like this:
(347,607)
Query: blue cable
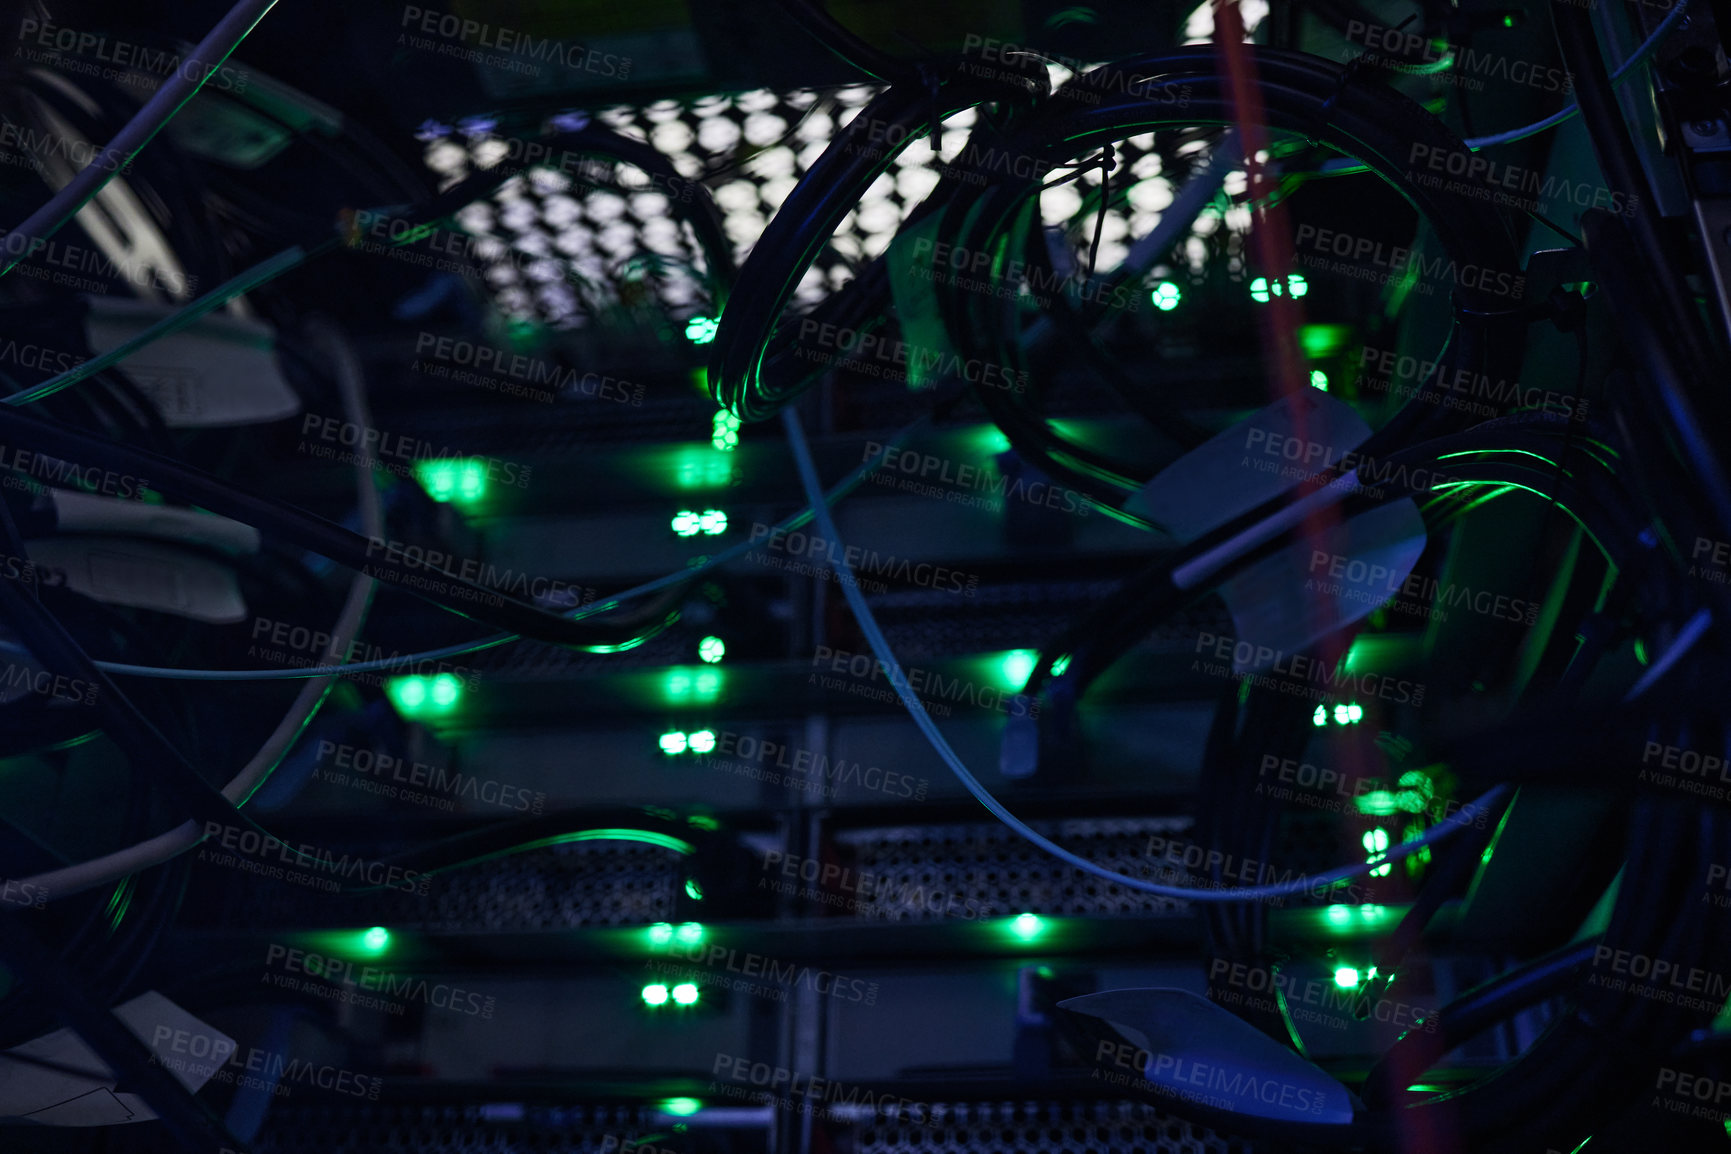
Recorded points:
(880,646)
(1345,167)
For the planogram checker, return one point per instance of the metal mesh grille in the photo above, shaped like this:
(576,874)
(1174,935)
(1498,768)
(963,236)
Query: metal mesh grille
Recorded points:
(1088,1127)
(590,249)
(450,1129)
(582,884)
(919,872)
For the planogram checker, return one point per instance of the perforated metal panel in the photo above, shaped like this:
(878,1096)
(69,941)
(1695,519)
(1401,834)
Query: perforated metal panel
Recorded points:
(593,249)
(1084,1127)
(1003,874)
(470,1128)
(581,884)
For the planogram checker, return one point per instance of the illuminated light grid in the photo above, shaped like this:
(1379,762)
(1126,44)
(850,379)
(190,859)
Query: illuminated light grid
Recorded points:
(559,252)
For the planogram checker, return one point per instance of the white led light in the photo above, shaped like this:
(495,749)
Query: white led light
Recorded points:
(736,196)
(1150,195)
(775,192)
(674,136)
(448,158)
(816,127)
(662,111)
(1060,203)
(717,134)
(764,128)
(775,163)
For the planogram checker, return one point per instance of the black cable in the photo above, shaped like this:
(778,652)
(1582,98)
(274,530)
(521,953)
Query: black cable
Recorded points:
(411,567)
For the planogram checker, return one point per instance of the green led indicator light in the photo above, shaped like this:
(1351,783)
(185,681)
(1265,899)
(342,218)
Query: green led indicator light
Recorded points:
(1060,665)
(1016,665)
(1262,290)
(1027,927)
(1346,978)
(463,481)
(424,696)
(1319,380)
(711,649)
(693,890)
(726,432)
(710,522)
(661,933)
(655,995)
(376,940)
(690,933)
(703,741)
(1166,296)
(681,1107)
(701,330)
(673,743)
(685,993)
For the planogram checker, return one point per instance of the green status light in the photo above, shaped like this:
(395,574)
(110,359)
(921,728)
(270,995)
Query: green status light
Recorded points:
(685,993)
(1027,927)
(417,696)
(655,995)
(681,1107)
(463,481)
(1262,289)
(661,933)
(1166,296)
(711,650)
(710,522)
(726,434)
(689,933)
(673,743)
(1346,978)
(701,330)
(1016,665)
(1319,380)
(376,940)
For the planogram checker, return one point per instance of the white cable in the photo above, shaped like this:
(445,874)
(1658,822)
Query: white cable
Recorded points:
(87,875)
